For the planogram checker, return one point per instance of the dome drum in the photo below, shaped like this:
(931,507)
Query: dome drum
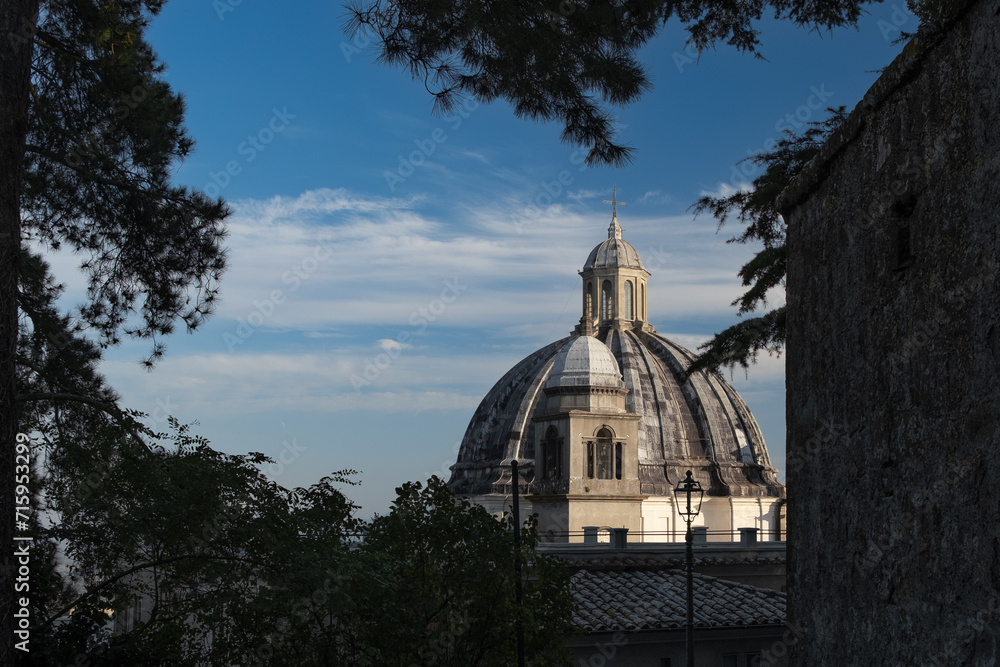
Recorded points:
(574,398)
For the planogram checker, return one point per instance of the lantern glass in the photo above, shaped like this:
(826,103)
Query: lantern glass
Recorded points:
(689,495)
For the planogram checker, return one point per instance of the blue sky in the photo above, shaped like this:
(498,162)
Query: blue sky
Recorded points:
(387,266)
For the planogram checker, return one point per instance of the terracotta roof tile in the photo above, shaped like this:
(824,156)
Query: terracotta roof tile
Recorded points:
(628,600)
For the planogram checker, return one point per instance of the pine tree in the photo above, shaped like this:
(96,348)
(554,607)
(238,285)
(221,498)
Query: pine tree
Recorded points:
(756,207)
(561,60)
(89,138)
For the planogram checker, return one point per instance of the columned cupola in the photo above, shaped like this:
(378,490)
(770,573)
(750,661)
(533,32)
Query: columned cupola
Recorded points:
(614,283)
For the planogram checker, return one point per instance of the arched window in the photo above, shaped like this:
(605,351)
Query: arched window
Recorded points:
(606,307)
(629,300)
(552,453)
(588,301)
(605,455)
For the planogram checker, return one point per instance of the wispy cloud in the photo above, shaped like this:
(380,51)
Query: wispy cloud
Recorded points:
(655,197)
(475,155)
(289,381)
(338,303)
(393,346)
(335,259)
(723,190)
(582,195)
(310,205)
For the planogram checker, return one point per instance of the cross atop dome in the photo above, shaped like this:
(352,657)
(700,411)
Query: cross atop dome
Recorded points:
(615,230)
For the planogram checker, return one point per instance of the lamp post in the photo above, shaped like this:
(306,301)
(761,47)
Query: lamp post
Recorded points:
(518,595)
(689,493)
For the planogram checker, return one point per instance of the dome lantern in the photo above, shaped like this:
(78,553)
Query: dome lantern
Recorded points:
(614,282)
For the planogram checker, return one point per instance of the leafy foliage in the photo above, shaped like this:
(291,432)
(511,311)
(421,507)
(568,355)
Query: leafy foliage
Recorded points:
(190,532)
(446,586)
(560,60)
(90,138)
(756,209)
(227,567)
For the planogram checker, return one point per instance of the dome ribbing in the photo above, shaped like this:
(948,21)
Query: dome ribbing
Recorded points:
(698,423)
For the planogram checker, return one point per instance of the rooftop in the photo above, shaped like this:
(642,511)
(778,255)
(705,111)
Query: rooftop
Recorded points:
(611,600)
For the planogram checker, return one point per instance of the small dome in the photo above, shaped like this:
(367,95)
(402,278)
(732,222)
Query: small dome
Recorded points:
(585,362)
(614,253)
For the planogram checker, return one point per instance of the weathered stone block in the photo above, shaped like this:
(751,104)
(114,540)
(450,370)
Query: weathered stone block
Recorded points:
(893,366)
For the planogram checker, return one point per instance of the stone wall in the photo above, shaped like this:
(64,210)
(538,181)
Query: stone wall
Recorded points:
(893,365)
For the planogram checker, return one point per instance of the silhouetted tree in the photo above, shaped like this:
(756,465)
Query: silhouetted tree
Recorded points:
(562,60)
(756,208)
(89,136)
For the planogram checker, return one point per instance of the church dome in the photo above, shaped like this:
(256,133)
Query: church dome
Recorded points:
(694,422)
(584,362)
(697,423)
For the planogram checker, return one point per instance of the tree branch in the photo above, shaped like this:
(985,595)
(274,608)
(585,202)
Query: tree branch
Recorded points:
(132,570)
(113,410)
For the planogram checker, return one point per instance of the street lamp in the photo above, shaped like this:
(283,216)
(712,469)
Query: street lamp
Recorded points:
(518,594)
(689,493)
